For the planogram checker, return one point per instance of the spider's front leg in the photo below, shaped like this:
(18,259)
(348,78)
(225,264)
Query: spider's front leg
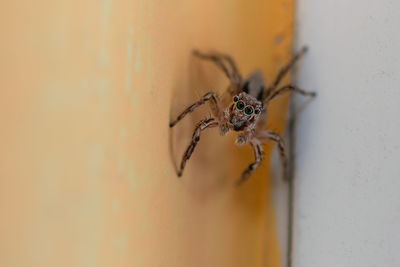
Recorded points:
(215,107)
(202,125)
(259,157)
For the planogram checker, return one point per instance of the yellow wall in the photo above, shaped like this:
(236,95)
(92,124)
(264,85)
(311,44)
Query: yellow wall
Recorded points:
(87,89)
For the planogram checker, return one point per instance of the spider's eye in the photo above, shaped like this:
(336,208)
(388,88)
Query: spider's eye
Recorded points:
(248,110)
(240,105)
(257,111)
(235,99)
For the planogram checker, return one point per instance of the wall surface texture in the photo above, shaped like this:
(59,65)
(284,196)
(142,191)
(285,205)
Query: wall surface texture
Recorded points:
(347,197)
(87,89)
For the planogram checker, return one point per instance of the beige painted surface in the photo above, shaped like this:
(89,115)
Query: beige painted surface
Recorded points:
(87,89)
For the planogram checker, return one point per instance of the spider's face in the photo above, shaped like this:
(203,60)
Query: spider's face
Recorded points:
(244,111)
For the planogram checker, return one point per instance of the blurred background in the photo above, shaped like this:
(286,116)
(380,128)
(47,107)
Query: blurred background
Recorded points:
(87,178)
(87,92)
(348,150)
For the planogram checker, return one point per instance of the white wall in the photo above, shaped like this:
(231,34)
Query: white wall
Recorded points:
(348,147)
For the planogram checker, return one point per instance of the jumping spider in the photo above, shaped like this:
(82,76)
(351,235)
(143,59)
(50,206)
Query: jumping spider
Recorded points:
(246,113)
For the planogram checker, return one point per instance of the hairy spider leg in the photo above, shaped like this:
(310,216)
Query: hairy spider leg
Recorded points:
(232,73)
(265,136)
(214,103)
(285,70)
(201,126)
(288,88)
(259,157)
(235,69)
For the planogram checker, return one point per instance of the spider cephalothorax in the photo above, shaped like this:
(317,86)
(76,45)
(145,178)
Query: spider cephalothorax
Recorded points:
(244,111)
(245,114)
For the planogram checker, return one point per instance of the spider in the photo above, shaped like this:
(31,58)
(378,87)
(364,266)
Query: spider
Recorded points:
(247,112)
